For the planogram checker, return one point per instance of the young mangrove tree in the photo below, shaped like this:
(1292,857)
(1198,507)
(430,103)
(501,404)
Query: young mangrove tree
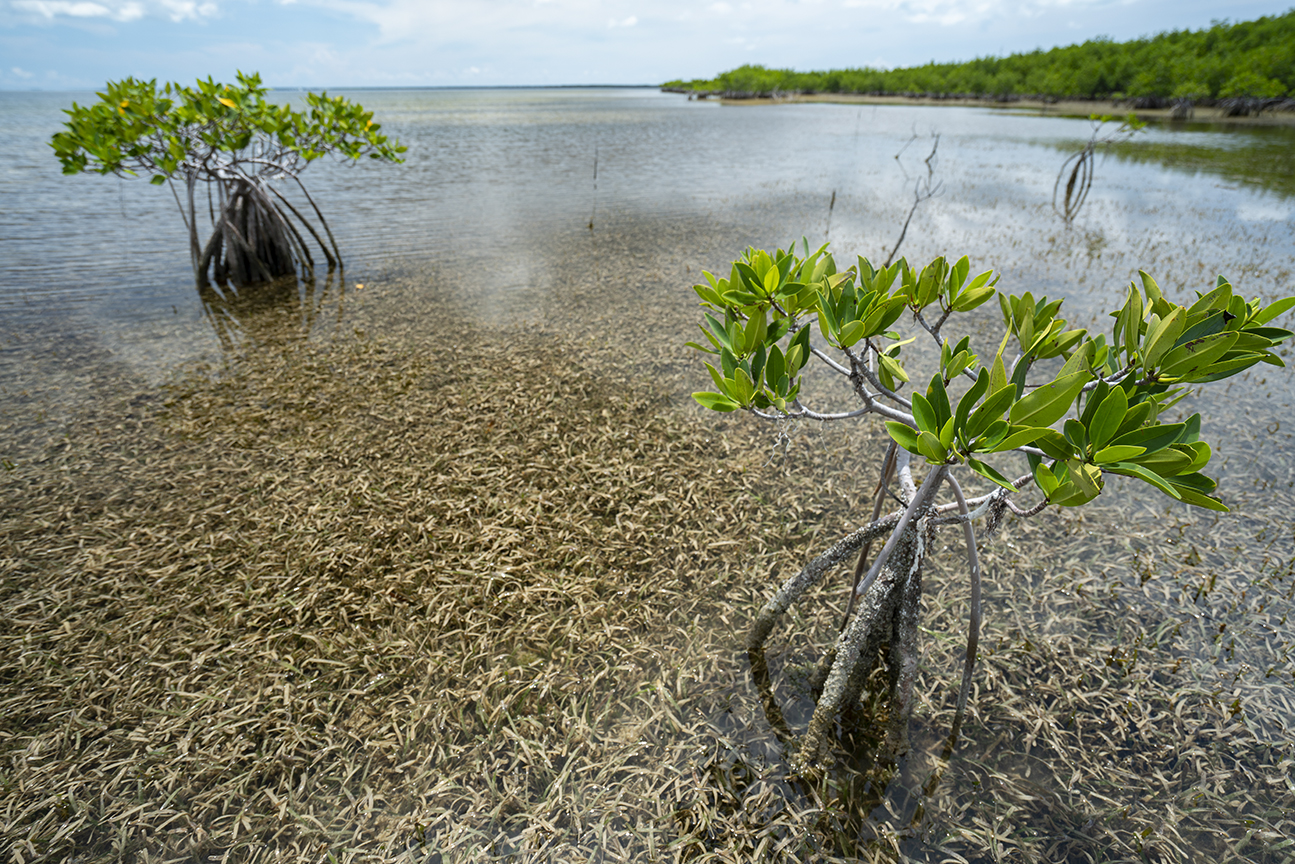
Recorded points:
(1058,412)
(227,144)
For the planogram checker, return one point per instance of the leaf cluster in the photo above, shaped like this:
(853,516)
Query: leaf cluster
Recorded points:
(138,128)
(1099,412)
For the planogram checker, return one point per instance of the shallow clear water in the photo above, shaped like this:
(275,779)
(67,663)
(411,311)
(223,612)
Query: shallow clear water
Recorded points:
(492,212)
(495,181)
(493,206)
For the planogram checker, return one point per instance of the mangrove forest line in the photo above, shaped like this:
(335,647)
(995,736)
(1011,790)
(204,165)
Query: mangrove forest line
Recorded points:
(1242,62)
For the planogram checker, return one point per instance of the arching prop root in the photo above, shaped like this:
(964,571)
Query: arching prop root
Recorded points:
(1077,170)
(254,237)
(1078,183)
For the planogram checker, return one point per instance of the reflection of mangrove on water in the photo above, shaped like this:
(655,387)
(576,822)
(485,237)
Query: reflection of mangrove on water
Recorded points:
(269,312)
(1256,157)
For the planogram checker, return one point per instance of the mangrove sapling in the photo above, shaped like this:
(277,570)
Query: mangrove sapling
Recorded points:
(234,144)
(1078,407)
(1080,165)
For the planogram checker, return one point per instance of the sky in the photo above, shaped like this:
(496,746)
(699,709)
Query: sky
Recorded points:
(79,44)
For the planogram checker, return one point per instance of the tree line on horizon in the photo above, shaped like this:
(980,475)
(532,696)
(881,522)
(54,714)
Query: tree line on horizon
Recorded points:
(1245,60)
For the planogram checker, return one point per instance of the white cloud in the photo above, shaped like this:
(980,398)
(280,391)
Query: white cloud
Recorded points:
(20,72)
(180,10)
(54,8)
(116,10)
(949,13)
(628,22)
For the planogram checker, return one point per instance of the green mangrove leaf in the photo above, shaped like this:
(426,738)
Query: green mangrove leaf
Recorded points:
(1018,437)
(715,402)
(776,366)
(925,415)
(1117,453)
(989,411)
(1166,462)
(946,434)
(1162,338)
(1049,403)
(929,446)
(1149,287)
(891,365)
(989,472)
(1043,476)
(1055,445)
(970,398)
(1108,417)
(1272,310)
(1129,469)
(903,435)
(939,399)
(1182,361)
(1199,499)
(1152,438)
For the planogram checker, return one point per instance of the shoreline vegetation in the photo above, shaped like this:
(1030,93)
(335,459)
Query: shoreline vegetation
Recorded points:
(1243,72)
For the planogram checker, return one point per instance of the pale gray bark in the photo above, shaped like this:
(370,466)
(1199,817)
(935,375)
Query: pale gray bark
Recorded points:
(900,562)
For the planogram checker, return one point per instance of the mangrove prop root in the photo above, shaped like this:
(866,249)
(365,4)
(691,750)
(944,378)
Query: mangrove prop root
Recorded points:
(1078,184)
(869,652)
(254,237)
(973,628)
(848,647)
(764,686)
(883,483)
(904,649)
(814,571)
(884,607)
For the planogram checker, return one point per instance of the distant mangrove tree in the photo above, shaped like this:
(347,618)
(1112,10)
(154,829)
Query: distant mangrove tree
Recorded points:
(231,143)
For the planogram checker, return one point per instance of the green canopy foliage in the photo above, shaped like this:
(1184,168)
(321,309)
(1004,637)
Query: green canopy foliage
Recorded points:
(1250,59)
(1114,389)
(233,141)
(138,128)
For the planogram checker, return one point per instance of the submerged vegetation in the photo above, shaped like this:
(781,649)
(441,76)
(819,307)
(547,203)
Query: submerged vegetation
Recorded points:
(472,592)
(230,143)
(1242,62)
(358,601)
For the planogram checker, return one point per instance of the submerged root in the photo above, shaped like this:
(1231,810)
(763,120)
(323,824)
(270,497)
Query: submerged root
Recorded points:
(877,621)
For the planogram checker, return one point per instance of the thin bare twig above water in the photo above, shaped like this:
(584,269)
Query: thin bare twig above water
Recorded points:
(924,188)
(594,211)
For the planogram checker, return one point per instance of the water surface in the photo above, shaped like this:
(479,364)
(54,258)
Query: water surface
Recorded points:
(569,209)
